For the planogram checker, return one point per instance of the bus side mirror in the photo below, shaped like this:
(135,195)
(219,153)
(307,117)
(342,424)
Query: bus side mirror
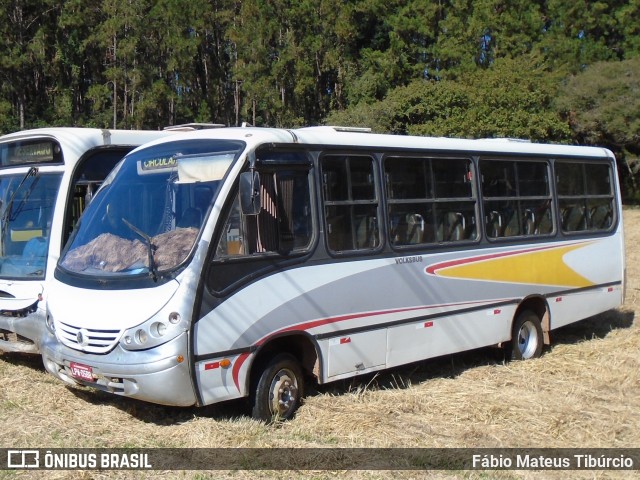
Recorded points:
(250,203)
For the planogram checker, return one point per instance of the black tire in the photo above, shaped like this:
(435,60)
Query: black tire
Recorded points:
(526,336)
(279,389)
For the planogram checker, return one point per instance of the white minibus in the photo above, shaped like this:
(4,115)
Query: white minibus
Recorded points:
(240,262)
(47,176)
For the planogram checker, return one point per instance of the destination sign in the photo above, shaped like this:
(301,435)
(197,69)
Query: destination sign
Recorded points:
(29,152)
(158,163)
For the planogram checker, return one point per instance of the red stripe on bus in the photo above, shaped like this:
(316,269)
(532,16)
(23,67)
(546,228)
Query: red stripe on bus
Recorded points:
(432,269)
(326,321)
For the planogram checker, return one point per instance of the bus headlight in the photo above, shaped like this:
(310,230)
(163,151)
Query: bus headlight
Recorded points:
(158,329)
(141,336)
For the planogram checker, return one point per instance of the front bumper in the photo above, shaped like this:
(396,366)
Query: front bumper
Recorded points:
(22,334)
(158,375)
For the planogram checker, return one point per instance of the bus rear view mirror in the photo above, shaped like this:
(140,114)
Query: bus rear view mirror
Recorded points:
(250,193)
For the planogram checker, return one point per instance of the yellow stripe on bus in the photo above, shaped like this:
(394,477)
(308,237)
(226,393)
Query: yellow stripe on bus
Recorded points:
(542,267)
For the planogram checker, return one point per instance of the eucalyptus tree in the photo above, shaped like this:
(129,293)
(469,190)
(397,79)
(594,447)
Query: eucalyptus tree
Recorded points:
(25,52)
(77,62)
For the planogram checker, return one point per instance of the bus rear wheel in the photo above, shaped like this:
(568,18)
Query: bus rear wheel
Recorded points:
(279,390)
(526,336)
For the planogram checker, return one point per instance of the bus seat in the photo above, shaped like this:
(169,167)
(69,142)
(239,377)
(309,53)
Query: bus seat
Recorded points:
(494,224)
(600,217)
(337,234)
(470,231)
(457,226)
(366,232)
(543,223)
(452,227)
(35,248)
(573,219)
(415,228)
(397,228)
(529,222)
(512,227)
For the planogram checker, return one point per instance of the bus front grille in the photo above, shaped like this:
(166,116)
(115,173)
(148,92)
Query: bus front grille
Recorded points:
(87,339)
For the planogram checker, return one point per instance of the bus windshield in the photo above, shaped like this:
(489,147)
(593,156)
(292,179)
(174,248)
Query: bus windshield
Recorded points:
(148,214)
(27,203)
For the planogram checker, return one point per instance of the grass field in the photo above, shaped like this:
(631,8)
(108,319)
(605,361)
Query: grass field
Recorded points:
(583,392)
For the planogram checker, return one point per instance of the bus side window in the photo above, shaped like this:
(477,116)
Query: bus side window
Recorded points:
(283,225)
(350,203)
(585,196)
(430,200)
(231,241)
(516,197)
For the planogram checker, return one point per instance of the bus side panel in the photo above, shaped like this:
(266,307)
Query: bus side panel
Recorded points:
(216,382)
(355,353)
(566,309)
(600,261)
(371,314)
(445,335)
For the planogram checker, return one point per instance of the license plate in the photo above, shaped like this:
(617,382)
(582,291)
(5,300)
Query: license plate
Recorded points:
(81,372)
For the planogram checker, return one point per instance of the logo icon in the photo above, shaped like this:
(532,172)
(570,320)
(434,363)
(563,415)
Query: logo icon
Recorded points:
(23,459)
(82,337)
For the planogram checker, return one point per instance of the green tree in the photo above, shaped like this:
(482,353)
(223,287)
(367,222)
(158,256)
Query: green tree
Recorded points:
(213,64)
(119,36)
(579,33)
(254,37)
(25,52)
(474,33)
(290,68)
(76,61)
(169,92)
(602,105)
(512,98)
(628,18)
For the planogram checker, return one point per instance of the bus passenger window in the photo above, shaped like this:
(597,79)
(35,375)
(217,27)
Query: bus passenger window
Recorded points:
(350,203)
(430,200)
(585,196)
(516,198)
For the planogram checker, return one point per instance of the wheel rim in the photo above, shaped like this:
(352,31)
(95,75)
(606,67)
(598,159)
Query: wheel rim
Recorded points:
(284,393)
(527,340)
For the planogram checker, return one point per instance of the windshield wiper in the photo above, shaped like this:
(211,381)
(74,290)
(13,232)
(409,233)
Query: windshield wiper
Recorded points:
(6,214)
(151,248)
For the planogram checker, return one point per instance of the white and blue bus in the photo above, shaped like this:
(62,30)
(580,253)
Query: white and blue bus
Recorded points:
(47,176)
(239,262)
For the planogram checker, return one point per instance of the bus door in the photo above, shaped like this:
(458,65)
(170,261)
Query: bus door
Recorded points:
(249,253)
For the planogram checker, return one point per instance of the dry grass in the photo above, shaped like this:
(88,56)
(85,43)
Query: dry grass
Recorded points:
(584,392)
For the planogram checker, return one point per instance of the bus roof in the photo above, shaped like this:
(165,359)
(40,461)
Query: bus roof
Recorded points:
(75,141)
(348,137)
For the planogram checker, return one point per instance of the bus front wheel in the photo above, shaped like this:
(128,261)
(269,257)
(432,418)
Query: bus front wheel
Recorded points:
(279,390)
(526,336)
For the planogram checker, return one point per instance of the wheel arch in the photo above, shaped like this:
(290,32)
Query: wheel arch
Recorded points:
(299,344)
(537,304)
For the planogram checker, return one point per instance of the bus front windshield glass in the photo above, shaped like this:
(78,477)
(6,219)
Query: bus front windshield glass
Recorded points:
(27,202)
(148,213)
